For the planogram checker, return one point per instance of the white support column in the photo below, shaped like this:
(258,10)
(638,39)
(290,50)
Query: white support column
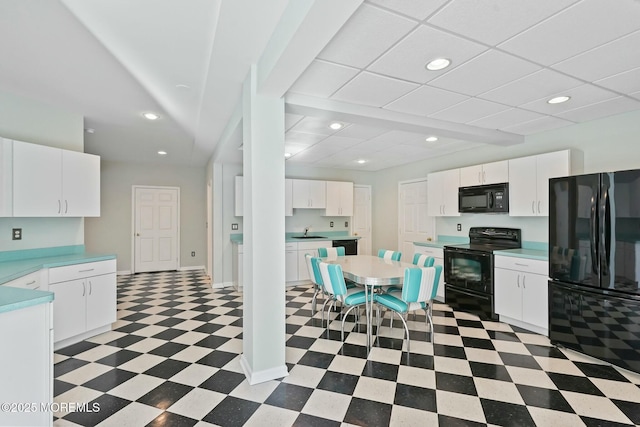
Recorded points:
(263,357)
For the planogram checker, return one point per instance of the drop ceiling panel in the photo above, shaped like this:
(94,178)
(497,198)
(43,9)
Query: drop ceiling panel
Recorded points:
(580,97)
(469,110)
(322,79)
(628,82)
(313,125)
(303,137)
(416,9)
(361,131)
(340,142)
(495,68)
(493,21)
(543,83)
(604,61)
(539,125)
(581,27)
(426,100)
(365,36)
(506,118)
(606,108)
(291,119)
(373,89)
(407,59)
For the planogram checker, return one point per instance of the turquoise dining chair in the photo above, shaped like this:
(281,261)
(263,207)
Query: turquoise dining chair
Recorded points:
(331,252)
(422,260)
(316,279)
(392,255)
(418,291)
(335,286)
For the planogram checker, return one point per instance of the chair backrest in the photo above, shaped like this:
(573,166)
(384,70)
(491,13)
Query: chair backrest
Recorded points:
(314,271)
(392,255)
(331,252)
(332,278)
(422,260)
(421,283)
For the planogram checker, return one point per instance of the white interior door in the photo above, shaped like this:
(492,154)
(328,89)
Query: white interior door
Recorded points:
(414,225)
(156,228)
(362,217)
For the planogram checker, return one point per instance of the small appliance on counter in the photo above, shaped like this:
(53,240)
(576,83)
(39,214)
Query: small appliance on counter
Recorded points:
(594,265)
(468,269)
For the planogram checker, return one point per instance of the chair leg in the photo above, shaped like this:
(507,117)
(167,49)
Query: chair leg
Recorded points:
(406,328)
(344,317)
(322,313)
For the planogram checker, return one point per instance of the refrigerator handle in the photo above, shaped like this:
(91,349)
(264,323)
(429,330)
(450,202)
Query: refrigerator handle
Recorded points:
(605,239)
(594,237)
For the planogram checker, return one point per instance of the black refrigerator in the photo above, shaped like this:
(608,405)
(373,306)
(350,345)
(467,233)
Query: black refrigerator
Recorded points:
(594,265)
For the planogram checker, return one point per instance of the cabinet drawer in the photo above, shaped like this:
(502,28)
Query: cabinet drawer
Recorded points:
(524,265)
(30,281)
(303,246)
(291,246)
(434,252)
(79,271)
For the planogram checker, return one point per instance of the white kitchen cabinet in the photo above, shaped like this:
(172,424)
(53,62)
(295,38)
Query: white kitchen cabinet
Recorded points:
(288,196)
(26,365)
(85,300)
(520,292)
(49,182)
(291,262)
(529,182)
(309,194)
(237,261)
(30,281)
(438,256)
(488,173)
(442,190)
(339,198)
(308,248)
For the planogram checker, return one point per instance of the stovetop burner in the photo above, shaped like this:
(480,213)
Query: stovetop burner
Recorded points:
(489,239)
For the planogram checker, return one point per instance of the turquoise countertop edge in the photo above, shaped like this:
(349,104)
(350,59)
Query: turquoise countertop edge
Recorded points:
(12,299)
(289,237)
(525,253)
(15,264)
(444,240)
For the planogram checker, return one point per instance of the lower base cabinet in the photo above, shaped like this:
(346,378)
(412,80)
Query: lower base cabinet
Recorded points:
(85,300)
(521,292)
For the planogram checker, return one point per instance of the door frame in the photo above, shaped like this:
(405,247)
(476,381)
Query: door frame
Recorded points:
(370,213)
(133,223)
(400,183)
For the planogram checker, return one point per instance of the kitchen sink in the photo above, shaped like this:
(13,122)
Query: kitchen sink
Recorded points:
(309,237)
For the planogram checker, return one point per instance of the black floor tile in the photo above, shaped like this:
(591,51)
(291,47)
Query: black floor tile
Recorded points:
(446,421)
(300,342)
(223,381)
(60,387)
(490,371)
(105,406)
(109,380)
(484,344)
(368,413)
(167,368)
(455,383)
(232,412)
(338,382)
(520,360)
(212,341)
(67,366)
(131,327)
(601,371)
(449,351)
(75,349)
(544,398)
(170,322)
(506,414)
(169,334)
(415,397)
(353,350)
(217,358)
(168,349)
(289,396)
(165,395)
(382,371)
(118,358)
(575,384)
(125,341)
(208,328)
(316,359)
(416,360)
(305,420)
(630,409)
(169,419)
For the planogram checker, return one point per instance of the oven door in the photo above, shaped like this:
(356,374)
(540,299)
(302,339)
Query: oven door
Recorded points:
(469,269)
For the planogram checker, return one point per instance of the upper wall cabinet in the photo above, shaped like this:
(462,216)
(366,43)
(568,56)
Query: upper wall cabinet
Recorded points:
(489,173)
(309,194)
(50,182)
(339,198)
(288,194)
(529,182)
(442,190)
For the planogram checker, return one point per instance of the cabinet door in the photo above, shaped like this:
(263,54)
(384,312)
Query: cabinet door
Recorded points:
(535,305)
(239,192)
(495,172)
(471,175)
(549,165)
(508,293)
(37,180)
(522,186)
(333,203)
(101,300)
(68,308)
(434,194)
(451,183)
(291,266)
(80,184)
(288,197)
(300,192)
(346,199)
(318,194)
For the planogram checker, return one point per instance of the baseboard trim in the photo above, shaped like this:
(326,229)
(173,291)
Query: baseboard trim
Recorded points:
(195,267)
(123,273)
(264,375)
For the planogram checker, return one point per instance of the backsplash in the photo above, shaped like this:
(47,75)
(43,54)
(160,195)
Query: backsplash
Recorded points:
(534,229)
(313,217)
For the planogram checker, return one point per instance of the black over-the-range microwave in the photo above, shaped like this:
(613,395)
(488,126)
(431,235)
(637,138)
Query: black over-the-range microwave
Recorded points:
(492,198)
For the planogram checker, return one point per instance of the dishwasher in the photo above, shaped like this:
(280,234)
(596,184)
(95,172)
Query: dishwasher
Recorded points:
(350,246)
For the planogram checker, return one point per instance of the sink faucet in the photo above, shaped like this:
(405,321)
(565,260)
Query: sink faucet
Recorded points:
(306,230)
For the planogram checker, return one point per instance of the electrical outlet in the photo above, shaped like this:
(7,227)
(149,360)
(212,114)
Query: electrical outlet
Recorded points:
(16,234)
(459,227)
(346,223)
(234,226)
(331,224)
(193,253)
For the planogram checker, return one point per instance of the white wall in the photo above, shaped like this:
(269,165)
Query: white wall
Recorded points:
(32,121)
(112,231)
(606,144)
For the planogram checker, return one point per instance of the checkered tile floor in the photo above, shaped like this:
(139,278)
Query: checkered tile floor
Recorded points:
(173,360)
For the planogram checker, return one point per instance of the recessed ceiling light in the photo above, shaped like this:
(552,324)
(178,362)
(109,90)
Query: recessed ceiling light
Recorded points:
(162,153)
(431,139)
(336,125)
(151,116)
(362,161)
(287,155)
(559,99)
(438,64)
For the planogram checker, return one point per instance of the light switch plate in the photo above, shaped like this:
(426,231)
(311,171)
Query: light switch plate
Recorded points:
(16,234)
(234,226)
